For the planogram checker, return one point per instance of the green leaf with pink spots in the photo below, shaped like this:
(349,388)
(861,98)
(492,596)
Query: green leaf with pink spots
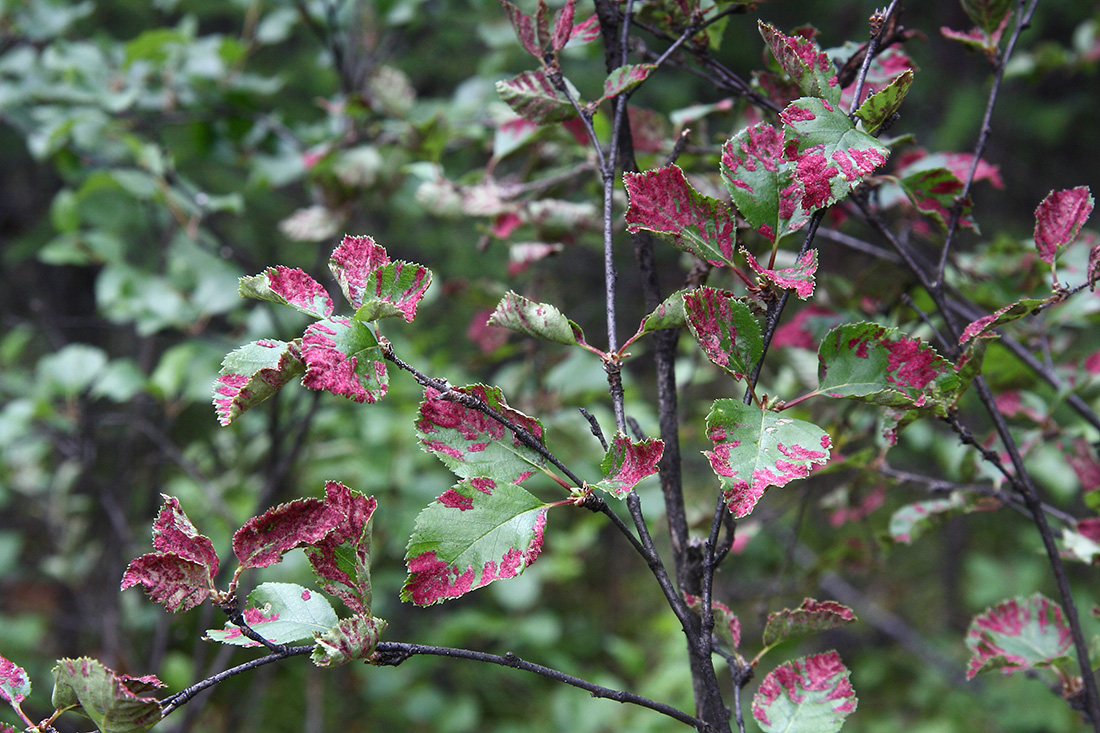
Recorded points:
(344,357)
(532,96)
(288,286)
(933,191)
(808,695)
(627,463)
(756,449)
(725,328)
(540,320)
(374,285)
(872,363)
(254,372)
(912,520)
(805,63)
(341,558)
(355,637)
(477,531)
(264,539)
(880,106)
(282,613)
(669,314)
(830,156)
(726,624)
(761,181)
(811,617)
(471,443)
(15,685)
(1018,634)
(799,278)
(115,702)
(625,78)
(663,202)
(1058,220)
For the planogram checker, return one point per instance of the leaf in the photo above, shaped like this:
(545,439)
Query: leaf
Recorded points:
(282,613)
(477,532)
(1011,312)
(804,62)
(627,463)
(474,445)
(830,155)
(532,96)
(343,357)
(725,328)
(625,78)
(524,27)
(669,314)
(264,539)
(987,14)
(1018,634)
(87,687)
(352,263)
(808,695)
(540,320)
(799,278)
(15,685)
(912,520)
(933,191)
(1058,220)
(726,623)
(396,290)
(880,106)
(174,532)
(871,363)
(761,181)
(341,559)
(755,449)
(288,286)
(252,373)
(586,32)
(812,617)
(563,25)
(662,201)
(353,638)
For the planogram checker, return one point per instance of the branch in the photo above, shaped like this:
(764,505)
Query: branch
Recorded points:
(170,704)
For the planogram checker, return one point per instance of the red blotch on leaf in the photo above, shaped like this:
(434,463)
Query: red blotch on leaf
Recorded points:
(1059,218)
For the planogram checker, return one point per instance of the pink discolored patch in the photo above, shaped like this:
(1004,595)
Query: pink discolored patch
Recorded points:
(793,113)
(911,363)
(484,485)
(1059,218)
(299,289)
(799,278)
(815,174)
(13,682)
(454,500)
(803,454)
(306,595)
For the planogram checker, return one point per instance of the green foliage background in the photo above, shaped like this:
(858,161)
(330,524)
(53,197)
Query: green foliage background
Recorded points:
(149,153)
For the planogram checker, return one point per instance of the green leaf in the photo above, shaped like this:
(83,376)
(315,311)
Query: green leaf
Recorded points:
(761,181)
(540,320)
(254,372)
(625,78)
(812,617)
(344,357)
(807,65)
(725,328)
(755,449)
(477,532)
(627,463)
(1018,634)
(282,613)
(912,520)
(669,314)
(397,288)
(809,695)
(288,286)
(353,638)
(987,14)
(880,106)
(532,96)
(112,701)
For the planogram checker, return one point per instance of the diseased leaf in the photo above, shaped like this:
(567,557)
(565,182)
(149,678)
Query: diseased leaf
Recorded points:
(1058,220)
(264,539)
(474,445)
(808,695)
(726,623)
(478,531)
(830,155)
(174,532)
(343,357)
(15,685)
(87,687)
(532,96)
(812,617)
(755,449)
(933,191)
(987,14)
(175,582)
(353,638)
(524,27)
(288,286)
(395,289)
(804,62)
(627,463)
(669,314)
(1018,634)
(341,559)
(352,262)
(799,278)
(761,181)
(912,520)
(871,363)
(957,163)
(586,32)
(1011,312)
(254,372)
(880,106)
(662,201)
(625,78)
(726,329)
(540,320)
(563,25)
(282,613)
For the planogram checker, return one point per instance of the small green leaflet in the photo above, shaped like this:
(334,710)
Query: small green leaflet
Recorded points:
(282,613)
(478,531)
(912,520)
(725,328)
(114,702)
(353,638)
(987,14)
(1018,634)
(755,449)
(627,463)
(880,106)
(669,314)
(625,78)
(540,320)
(808,695)
(254,372)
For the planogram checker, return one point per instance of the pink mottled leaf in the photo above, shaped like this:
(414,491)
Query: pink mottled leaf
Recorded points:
(282,613)
(352,262)
(761,181)
(812,617)
(353,638)
(725,328)
(912,520)
(395,289)
(880,106)
(1018,634)
(540,320)
(341,559)
(627,463)
(726,623)
(662,201)
(343,357)
(264,539)
(532,96)
(15,685)
(174,532)
(829,154)
(871,363)
(804,62)
(987,14)
(288,286)
(474,445)
(87,687)
(586,32)
(799,278)
(933,191)
(755,449)
(524,27)
(1011,312)
(1094,266)
(957,163)
(254,372)
(563,25)
(625,78)
(1058,220)
(477,532)
(808,695)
